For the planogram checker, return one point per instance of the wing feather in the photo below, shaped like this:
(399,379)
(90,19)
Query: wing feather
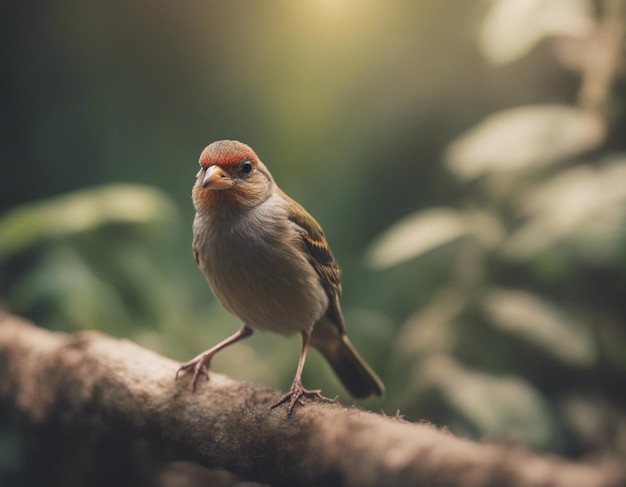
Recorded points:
(321,259)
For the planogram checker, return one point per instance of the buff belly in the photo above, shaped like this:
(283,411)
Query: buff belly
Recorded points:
(268,285)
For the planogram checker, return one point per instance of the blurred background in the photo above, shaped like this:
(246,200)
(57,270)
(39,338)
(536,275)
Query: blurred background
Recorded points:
(465,158)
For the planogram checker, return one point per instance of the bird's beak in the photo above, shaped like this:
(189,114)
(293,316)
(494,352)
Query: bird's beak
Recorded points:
(216,178)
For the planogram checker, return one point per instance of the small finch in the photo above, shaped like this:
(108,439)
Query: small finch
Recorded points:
(268,263)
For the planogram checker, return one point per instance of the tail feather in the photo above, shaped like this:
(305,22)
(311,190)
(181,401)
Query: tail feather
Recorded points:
(357,377)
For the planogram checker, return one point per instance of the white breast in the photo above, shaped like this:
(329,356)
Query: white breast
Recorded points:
(257,267)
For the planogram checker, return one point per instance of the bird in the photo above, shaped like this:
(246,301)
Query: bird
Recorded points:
(267,261)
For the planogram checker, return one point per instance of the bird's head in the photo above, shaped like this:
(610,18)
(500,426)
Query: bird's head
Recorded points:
(231,176)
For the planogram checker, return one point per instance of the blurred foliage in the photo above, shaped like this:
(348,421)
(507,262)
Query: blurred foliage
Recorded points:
(491,133)
(530,320)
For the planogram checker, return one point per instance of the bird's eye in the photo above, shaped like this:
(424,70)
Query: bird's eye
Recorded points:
(246,167)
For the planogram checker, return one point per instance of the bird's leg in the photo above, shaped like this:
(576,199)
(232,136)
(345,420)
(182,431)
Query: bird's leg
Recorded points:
(297,391)
(200,364)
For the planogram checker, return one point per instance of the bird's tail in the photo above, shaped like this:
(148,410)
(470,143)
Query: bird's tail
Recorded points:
(357,377)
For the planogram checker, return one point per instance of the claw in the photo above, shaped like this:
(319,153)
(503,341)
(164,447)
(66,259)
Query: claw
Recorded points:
(295,395)
(199,365)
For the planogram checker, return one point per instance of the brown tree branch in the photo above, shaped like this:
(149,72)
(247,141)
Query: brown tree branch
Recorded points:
(100,403)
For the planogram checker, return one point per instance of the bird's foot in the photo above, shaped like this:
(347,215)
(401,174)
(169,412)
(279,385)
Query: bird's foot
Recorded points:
(295,395)
(199,365)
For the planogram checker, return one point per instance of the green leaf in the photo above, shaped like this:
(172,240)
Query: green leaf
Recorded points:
(512,28)
(81,211)
(65,284)
(538,322)
(415,235)
(498,406)
(428,229)
(524,138)
(584,207)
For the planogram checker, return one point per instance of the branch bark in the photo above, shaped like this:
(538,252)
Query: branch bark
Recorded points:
(99,403)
